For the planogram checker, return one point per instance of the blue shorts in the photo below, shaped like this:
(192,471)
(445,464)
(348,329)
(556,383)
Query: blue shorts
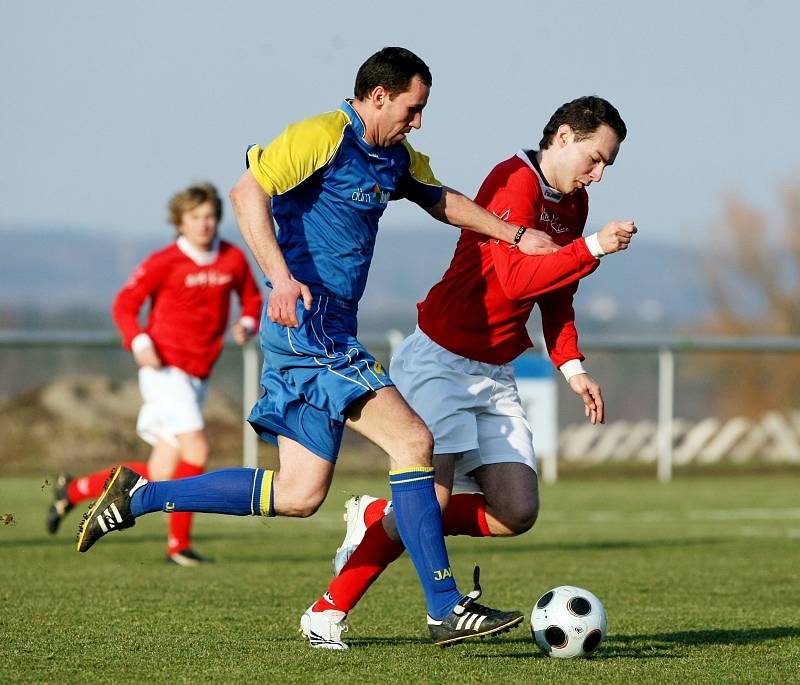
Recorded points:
(311,374)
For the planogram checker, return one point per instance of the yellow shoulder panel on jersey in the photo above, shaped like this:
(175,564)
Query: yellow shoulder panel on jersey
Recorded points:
(421,167)
(298,152)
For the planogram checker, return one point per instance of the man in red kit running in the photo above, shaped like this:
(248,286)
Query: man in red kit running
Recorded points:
(455,369)
(189,285)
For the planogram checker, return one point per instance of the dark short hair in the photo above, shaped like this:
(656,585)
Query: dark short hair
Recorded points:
(392,68)
(584,116)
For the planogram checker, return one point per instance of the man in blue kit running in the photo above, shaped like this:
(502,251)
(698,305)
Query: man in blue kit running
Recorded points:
(326,181)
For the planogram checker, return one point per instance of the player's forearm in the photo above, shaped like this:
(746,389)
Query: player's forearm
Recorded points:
(560,333)
(125,313)
(254,217)
(458,210)
(249,298)
(524,276)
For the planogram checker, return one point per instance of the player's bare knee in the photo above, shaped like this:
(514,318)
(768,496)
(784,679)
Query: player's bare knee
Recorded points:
(518,517)
(159,471)
(419,446)
(306,510)
(302,510)
(197,457)
(301,505)
(194,448)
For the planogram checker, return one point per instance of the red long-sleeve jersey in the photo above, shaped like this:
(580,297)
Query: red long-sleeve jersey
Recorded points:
(481,306)
(190,303)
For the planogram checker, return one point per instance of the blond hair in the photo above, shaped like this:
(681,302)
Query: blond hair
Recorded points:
(191,197)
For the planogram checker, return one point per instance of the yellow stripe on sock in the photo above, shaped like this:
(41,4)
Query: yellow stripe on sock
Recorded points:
(414,469)
(266,492)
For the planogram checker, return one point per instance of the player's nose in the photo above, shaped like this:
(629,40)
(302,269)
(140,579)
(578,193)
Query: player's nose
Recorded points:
(597,173)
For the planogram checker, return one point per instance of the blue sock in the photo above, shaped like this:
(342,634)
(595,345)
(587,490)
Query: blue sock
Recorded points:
(419,522)
(241,492)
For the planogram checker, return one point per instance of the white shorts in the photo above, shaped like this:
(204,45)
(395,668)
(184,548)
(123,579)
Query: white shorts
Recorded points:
(472,408)
(173,404)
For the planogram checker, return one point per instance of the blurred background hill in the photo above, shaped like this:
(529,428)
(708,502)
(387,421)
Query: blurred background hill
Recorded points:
(66,279)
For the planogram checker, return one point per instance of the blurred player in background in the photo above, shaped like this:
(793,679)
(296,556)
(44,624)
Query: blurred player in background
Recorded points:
(327,181)
(455,369)
(188,285)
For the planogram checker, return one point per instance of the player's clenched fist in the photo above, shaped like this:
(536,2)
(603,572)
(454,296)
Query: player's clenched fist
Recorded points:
(283,301)
(147,357)
(616,236)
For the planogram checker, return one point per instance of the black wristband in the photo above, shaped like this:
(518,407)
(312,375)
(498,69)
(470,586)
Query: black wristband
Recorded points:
(520,232)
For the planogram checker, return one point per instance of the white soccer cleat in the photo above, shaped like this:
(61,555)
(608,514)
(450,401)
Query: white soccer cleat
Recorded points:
(324,629)
(354,510)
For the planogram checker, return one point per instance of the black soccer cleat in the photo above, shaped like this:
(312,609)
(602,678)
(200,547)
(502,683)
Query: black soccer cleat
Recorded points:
(60,505)
(112,511)
(470,619)
(188,557)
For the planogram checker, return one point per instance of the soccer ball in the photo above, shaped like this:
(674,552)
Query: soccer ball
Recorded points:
(568,621)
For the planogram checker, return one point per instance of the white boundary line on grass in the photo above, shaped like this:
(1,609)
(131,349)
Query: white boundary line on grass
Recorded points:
(745,514)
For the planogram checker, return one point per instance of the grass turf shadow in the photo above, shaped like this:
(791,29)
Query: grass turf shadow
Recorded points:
(660,645)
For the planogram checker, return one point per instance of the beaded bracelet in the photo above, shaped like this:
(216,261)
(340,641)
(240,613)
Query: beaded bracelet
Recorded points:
(520,232)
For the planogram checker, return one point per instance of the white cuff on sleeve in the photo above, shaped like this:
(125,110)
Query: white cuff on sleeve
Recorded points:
(248,323)
(571,368)
(593,243)
(141,342)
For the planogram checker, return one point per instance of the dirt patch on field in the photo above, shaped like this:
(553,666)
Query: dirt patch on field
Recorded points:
(82,423)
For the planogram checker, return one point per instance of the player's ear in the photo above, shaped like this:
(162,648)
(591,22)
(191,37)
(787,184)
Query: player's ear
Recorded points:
(379,95)
(564,135)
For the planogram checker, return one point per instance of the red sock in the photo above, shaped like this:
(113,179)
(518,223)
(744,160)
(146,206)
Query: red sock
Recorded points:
(466,515)
(180,523)
(92,485)
(375,511)
(376,551)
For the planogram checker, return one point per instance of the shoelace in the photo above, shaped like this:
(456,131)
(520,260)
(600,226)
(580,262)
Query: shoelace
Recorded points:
(342,628)
(470,597)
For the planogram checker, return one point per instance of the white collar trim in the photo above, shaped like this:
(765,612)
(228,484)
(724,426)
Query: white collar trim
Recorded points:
(199,257)
(548,192)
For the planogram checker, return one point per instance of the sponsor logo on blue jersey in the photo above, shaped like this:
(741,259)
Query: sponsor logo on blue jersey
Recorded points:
(373,196)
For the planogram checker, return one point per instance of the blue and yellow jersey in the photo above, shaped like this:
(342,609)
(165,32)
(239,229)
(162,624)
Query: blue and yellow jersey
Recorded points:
(329,188)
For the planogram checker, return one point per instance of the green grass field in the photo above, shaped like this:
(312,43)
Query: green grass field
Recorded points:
(699,578)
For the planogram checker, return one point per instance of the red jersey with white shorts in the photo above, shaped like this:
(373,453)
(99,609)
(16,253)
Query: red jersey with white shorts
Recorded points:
(480,308)
(190,294)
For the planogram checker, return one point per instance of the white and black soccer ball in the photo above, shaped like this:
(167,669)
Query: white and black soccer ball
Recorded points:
(568,621)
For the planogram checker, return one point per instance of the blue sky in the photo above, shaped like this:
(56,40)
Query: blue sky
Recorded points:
(110,107)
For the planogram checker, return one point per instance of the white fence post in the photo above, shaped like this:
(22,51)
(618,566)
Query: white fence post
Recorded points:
(538,390)
(394,338)
(666,403)
(250,388)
